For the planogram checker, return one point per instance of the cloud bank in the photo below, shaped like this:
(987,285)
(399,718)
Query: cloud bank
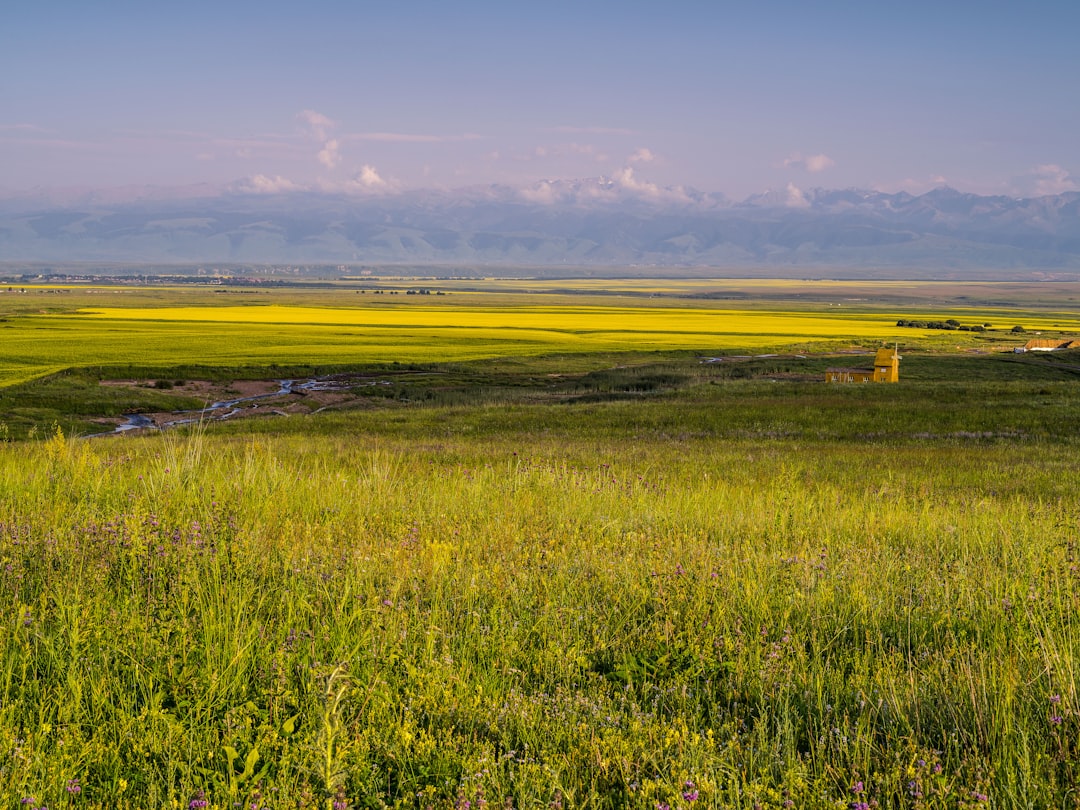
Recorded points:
(808,163)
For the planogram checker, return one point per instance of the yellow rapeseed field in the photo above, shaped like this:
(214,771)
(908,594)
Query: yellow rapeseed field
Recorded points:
(633,322)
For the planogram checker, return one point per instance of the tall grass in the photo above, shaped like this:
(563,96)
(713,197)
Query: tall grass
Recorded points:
(630,619)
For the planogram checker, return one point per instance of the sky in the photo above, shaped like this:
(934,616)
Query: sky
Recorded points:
(731,97)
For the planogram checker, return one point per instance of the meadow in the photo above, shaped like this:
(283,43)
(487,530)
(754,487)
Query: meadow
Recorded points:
(646,582)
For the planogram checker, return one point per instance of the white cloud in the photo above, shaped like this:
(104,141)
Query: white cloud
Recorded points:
(642,155)
(1045,180)
(795,197)
(809,163)
(261,184)
(329,156)
(543,192)
(625,178)
(317,123)
(319,127)
(366,181)
(370,178)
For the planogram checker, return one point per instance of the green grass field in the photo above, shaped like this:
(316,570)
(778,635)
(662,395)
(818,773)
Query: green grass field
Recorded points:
(556,580)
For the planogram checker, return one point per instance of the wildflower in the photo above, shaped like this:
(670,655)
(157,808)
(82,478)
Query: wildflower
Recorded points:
(1055,698)
(73,787)
(198,801)
(689,793)
(979,797)
(1056,719)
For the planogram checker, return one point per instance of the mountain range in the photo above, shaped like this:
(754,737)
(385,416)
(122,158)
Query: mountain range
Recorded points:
(598,222)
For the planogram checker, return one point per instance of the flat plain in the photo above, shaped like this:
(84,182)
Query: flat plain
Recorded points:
(591,545)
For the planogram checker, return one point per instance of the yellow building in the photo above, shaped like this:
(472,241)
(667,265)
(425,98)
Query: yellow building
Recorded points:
(886,369)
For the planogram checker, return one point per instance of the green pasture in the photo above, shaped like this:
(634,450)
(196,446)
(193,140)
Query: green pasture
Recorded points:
(747,594)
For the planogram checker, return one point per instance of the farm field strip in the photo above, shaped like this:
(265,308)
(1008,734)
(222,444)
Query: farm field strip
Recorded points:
(37,344)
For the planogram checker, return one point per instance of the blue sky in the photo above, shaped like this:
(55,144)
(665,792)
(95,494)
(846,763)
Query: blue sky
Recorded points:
(736,97)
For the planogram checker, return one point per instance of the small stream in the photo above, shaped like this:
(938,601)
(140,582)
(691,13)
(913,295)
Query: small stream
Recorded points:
(227,408)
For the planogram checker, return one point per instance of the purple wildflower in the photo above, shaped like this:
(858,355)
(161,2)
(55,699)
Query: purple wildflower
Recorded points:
(979,797)
(198,801)
(857,788)
(73,787)
(689,793)
(1056,719)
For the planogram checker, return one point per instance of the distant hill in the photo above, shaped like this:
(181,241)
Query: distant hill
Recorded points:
(595,222)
